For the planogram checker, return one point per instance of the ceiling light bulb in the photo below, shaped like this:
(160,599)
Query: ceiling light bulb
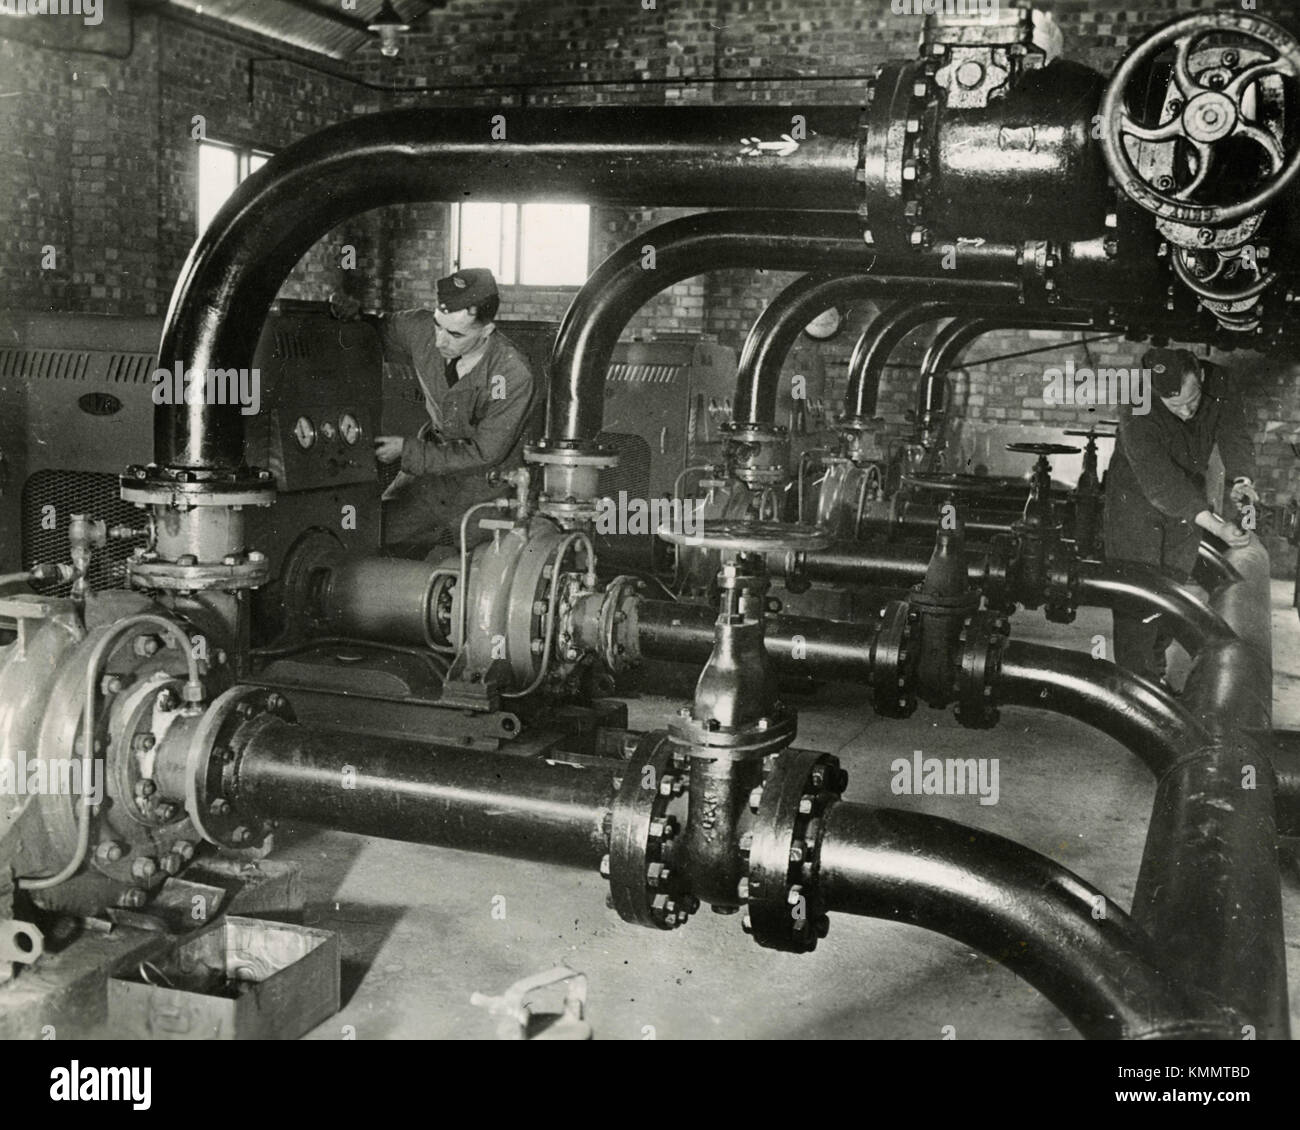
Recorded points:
(390,28)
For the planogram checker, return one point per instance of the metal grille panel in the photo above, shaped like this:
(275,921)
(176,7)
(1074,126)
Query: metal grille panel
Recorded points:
(75,492)
(131,368)
(44,364)
(633,471)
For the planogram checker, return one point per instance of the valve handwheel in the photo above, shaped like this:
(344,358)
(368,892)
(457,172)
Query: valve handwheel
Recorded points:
(1206,115)
(747,536)
(1094,432)
(1042,448)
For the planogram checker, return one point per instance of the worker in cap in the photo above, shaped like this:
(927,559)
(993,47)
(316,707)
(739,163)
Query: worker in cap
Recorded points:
(1157,501)
(478,395)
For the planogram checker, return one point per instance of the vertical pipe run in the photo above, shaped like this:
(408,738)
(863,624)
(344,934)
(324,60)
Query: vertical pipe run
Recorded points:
(1209,891)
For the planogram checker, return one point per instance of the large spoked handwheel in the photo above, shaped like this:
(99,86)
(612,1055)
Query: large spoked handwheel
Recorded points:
(1204,115)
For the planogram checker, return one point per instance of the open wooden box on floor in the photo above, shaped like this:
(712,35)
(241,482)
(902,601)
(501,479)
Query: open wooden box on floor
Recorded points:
(243,979)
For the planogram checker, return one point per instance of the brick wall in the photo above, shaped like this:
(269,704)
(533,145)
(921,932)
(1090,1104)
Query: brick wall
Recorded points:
(101,161)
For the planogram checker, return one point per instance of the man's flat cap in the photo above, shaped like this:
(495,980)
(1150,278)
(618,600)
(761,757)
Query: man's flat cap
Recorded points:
(1168,367)
(469,287)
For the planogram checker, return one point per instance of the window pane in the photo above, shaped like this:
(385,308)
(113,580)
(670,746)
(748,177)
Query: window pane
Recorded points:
(555,239)
(256,161)
(218,175)
(486,230)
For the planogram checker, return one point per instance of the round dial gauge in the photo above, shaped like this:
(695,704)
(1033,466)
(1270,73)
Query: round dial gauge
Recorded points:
(327,431)
(304,431)
(826,325)
(349,429)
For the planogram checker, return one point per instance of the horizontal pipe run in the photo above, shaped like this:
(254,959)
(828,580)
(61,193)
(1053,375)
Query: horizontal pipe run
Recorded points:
(499,804)
(796,645)
(1018,908)
(1134,589)
(873,564)
(1136,713)
(625,155)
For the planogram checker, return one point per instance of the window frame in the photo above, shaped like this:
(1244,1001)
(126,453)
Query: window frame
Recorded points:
(244,154)
(454,240)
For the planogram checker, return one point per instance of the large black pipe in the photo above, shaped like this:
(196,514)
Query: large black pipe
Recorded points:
(602,155)
(1284,748)
(1134,589)
(500,804)
(959,334)
(796,645)
(884,334)
(1059,933)
(1212,567)
(1211,570)
(679,249)
(1136,713)
(1209,890)
(1128,586)
(1016,906)
(770,339)
(877,342)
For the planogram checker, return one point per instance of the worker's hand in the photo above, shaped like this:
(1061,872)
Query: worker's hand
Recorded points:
(1209,521)
(388,449)
(344,307)
(1243,493)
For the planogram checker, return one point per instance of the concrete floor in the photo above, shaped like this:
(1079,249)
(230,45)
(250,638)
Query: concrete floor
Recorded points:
(419,935)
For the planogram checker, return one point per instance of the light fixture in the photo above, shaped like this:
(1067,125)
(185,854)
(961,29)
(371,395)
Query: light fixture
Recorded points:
(390,27)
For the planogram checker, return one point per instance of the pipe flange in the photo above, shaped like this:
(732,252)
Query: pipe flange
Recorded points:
(785,910)
(762,738)
(245,571)
(619,639)
(214,751)
(893,155)
(184,489)
(893,682)
(979,661)
(645,886)
(592,455)
(757,454)
(142,719)
(1062,591)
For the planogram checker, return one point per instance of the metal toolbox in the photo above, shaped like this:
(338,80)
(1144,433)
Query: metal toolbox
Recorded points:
(243,979)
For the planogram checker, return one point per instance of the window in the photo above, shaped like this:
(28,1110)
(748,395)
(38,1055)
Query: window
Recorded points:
(221,168)
(528,244)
